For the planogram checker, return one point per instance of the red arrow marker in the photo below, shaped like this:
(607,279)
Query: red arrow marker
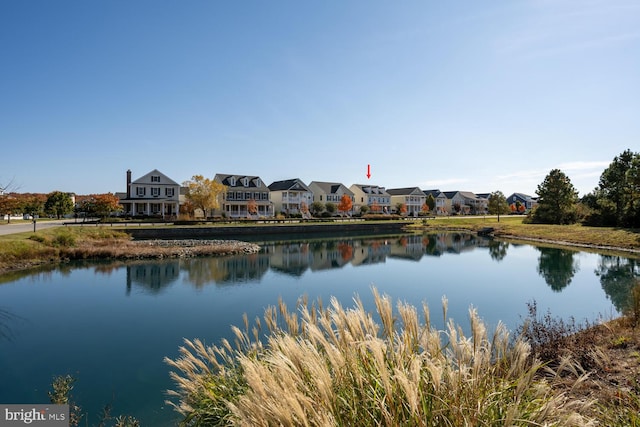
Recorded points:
(368,171)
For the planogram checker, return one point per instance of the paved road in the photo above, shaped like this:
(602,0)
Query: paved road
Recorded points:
(22,226)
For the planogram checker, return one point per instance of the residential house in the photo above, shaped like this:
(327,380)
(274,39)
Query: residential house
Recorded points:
(376,198)
(412,197)
(243,193)
(329,192)
(153,194)
(527,201)
(441,201)
(464,203)
(289,196)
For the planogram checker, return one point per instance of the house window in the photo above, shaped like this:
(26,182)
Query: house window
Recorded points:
(245,181)
(155,191)
(155,178)
(168,192)
(247,196)
(140,191)
(238,195)
(258,183)
(232,181)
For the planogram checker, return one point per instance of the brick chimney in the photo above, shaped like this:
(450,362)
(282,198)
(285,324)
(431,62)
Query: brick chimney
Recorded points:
(128,183)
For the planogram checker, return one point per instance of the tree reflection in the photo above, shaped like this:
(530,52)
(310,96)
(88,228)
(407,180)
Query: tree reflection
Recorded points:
(498,250)
(618,276)
(557,267)
(6,318)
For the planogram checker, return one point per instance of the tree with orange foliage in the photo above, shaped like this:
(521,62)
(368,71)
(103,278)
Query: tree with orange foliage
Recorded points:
(252,207)
(375,207)
(424,208)
(401,208)
(345,204)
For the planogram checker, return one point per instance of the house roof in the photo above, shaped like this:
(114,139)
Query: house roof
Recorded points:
(253,181)
(434,193)
(331,187)
(450,194)
(468,195)
(288,184)
(404,191)
(522,196)
(372,189)
(146,179)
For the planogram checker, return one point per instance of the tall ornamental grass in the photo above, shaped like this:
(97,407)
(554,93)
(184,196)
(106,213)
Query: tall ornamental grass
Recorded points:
(338,367)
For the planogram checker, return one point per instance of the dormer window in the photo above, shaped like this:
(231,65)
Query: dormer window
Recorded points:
(232,181)
(258,183)
(155,178)
(245,181)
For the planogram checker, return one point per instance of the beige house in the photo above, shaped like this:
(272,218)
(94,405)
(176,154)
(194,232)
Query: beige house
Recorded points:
(153,194)
(373,196)
(412,197)
(289,196)
(243,193)
(329,192)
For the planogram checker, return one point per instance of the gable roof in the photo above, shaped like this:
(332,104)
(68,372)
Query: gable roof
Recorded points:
(331,187)
(434,193)
(146,179)
(468,195)
(450,194)
(288,184)
(404,191)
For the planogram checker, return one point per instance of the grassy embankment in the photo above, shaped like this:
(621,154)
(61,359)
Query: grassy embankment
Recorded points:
(512,228)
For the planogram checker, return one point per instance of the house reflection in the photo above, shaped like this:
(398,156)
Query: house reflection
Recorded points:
(226,270)
(291,259)
(152,277)
(296,258)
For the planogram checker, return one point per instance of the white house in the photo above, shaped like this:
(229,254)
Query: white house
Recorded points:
(153,194)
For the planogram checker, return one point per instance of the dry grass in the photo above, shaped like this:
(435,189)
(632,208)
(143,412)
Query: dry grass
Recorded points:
(24,250)
(337,366)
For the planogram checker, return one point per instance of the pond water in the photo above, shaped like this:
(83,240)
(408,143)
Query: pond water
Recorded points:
(111,324)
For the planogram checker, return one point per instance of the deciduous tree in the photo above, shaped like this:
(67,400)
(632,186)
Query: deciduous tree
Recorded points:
(204,193)
(557,200)
(317,208)
(58,204)
(101,205)
(252,207)
(497,204)
(330,208)
(401,208)
(345,204)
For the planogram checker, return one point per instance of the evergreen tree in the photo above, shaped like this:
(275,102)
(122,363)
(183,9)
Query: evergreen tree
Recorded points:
(557,198)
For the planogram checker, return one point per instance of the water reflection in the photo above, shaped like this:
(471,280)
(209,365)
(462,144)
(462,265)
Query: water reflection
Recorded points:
(498,250)
(151,277)
(557,267)
(617,276)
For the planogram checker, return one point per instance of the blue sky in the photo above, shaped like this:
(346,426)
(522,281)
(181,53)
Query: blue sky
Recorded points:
(456,95)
